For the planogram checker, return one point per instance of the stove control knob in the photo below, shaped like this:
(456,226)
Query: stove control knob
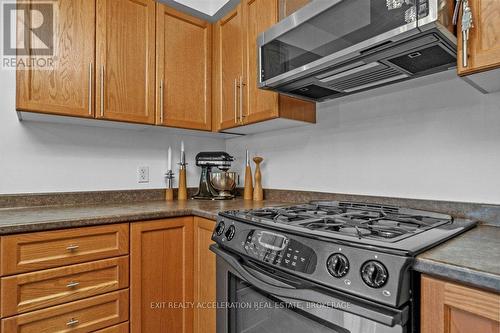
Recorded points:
(230,232)
(337,265)
(374,274)
(219,230)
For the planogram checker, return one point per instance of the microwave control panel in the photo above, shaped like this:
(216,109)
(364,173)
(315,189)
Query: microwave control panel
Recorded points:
(279,250)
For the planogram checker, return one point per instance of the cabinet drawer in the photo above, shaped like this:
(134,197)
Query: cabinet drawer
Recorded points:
(42,250)
(122,328)
(82,316)
(37,290)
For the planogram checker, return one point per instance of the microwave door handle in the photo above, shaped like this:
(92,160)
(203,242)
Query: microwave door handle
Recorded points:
(382,315)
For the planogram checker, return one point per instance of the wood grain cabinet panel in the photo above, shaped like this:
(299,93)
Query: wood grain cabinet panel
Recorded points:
(42,250)
(452,308)
(484,40)
(228,68)
(120,328)
(67,88)
(288,7)
(126,60)
(32,291)
(162,276)
(204,277)
(82,316)
(237,99)
(184,64)
(260,104)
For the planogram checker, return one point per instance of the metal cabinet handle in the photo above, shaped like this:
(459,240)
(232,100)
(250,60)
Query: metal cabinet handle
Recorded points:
(72,322)
(162,88)
(72,248)
(242,84)
(236,100)
(91,75)
(102,91)
(73,284)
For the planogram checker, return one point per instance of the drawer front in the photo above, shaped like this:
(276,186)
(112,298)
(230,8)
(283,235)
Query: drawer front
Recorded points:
(82,316)
(37,290)
(122,328)
(42,250)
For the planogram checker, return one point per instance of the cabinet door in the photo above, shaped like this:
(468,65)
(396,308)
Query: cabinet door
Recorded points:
(126,60)
(184,56)
(67,89)
(204,276)
(259,104)
(484,40)
(453,308)
(228,68)
(161,275)
(288,7)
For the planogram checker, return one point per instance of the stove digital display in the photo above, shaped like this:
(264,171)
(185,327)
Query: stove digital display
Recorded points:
(279,250)
(272,241)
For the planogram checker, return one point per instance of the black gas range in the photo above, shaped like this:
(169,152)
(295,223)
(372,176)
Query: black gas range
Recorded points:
(357,253)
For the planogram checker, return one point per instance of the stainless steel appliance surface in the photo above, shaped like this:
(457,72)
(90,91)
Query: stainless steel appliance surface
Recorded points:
(323,267)
(329,49)
(217,186)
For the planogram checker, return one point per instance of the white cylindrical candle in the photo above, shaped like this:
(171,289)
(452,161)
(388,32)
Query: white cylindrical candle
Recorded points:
(169,163)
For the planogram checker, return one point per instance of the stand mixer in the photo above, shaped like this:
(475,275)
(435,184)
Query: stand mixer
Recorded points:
(215,186)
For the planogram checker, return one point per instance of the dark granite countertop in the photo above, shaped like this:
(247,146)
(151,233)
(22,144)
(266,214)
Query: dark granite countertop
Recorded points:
(20,220)
(472,258)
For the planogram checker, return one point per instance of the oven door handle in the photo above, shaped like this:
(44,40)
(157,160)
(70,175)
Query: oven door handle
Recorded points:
(378,313)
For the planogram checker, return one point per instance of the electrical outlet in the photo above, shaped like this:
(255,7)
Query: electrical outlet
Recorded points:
(143,174)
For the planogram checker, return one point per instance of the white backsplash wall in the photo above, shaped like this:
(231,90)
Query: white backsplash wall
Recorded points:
(42,157)
(437,141)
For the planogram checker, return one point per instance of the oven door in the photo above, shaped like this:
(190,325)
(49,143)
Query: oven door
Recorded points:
(252,300)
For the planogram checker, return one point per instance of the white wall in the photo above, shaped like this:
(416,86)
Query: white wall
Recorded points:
(41,157)
(437,141)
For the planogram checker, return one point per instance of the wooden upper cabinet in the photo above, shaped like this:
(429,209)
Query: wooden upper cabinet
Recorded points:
(228,68)
(259,104)
(238,100)
(288,7)
(453,308)
(67,89)
(484,38)
(161,272)
(126,60)
(184,56)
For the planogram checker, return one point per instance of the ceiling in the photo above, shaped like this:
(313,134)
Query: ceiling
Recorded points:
(209,10)
(209,7)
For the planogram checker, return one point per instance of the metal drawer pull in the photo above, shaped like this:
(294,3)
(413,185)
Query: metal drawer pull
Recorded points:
(72,248)
(73,284)
(72,322)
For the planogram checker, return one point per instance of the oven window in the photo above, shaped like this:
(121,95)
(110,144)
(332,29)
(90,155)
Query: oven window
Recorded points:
(343,25)
(256,312)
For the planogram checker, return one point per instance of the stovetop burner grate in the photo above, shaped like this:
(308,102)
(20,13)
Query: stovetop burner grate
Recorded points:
(385,223)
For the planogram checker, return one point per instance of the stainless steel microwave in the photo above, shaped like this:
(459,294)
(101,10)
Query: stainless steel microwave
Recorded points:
(332,48)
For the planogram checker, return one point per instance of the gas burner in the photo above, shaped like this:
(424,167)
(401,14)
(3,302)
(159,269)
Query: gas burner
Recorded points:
(384,223)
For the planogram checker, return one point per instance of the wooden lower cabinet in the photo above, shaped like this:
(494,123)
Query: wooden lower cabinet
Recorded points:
(48,249)
(204,277)
(448,307)
(37,290)
(82,316)
(121,328)
(161,281)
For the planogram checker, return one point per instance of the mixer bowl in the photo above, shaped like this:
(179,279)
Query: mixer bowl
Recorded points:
(224,182)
